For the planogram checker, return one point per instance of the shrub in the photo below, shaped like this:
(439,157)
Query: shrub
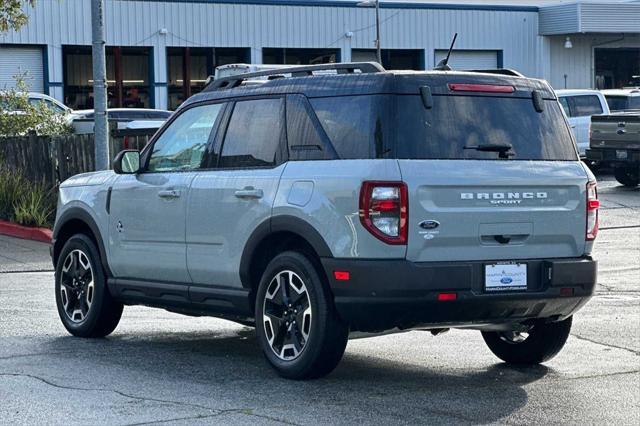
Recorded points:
(12,185)
(25,202)
(18,116)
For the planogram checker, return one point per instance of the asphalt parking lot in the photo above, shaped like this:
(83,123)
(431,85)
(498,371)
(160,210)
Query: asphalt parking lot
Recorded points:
(159,367)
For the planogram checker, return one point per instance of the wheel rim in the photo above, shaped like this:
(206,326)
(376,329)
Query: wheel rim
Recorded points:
(76,286)
(514,337)
(287,315)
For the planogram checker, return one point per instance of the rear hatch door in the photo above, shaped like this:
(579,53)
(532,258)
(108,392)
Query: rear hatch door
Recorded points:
(490,176)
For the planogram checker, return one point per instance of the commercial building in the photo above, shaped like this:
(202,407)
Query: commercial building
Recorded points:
(159,52)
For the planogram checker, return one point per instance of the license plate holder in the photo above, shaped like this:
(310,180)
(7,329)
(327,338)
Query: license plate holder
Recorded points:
(505,276)
(621,154)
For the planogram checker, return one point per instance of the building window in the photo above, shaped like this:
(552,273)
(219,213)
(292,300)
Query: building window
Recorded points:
(392,59)
(128,77)
(271,55)
(189,67)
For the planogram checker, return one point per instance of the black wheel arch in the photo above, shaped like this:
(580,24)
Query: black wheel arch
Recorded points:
(280,229)
(73,221)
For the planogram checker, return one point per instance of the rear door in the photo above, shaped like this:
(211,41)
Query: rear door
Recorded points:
(470,204)
(231,199)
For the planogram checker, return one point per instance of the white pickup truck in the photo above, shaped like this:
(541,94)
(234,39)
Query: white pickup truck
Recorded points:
(579,106)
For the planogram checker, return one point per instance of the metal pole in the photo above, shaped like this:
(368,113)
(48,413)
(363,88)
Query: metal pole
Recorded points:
(101,130)
(378,49)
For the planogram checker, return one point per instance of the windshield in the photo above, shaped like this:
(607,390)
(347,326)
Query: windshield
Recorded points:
(620,103)
(480,127)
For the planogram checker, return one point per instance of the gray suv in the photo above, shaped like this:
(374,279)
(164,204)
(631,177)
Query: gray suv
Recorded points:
(315,202)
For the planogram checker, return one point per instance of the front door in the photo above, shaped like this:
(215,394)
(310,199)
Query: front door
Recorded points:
(147,216)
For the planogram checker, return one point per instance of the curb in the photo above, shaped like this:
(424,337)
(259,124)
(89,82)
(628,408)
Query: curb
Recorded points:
(25,232)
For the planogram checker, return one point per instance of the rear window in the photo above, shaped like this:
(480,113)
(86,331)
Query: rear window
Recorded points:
(585,105)
(456,125)
(619,103)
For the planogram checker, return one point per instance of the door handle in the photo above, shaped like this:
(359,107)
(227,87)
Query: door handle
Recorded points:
(249,193)
(169,193)
(573,127)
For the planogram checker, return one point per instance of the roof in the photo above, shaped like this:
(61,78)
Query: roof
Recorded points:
(622,92)
(590,17)
(572,92)
(387,82)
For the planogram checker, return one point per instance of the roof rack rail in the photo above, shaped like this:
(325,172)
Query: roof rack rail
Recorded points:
(502,71)
(295,71)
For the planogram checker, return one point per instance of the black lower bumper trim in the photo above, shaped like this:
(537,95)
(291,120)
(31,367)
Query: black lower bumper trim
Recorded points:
(384,294)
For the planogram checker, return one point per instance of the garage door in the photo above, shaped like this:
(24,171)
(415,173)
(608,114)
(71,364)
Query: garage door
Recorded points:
(470,59)
(14,60)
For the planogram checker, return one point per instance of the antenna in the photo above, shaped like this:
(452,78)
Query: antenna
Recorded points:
(443,65)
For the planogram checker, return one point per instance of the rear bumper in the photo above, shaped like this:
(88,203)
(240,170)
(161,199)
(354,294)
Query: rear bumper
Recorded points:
(384,294)
(610,156)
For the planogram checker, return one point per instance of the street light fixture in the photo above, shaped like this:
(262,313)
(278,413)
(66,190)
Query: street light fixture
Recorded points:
(376,4)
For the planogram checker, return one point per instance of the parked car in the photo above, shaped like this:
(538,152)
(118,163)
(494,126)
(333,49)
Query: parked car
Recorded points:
(134,118)
(313,206)
(623,99)
(36,98)
(615,142)
(579,106)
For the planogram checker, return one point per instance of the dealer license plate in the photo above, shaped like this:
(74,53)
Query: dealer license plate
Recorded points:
(621,155)
(505,276)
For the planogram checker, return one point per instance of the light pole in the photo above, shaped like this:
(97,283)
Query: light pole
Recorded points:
(376,4)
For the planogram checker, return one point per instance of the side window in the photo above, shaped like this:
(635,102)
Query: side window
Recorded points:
(564,101)
(586,105)
(181,146)
(355,124)
(254,133)
(307,140)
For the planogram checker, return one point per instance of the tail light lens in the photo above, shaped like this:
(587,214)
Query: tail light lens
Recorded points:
(384,210)
(592,211)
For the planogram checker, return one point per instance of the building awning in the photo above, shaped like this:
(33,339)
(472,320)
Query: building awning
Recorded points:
(589,17)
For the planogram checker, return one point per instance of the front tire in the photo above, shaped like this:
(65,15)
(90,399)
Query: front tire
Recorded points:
(84,303)
(628,176)
(540,344)
(297,325)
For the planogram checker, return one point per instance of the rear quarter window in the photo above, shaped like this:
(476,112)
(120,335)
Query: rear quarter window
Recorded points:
(357,126)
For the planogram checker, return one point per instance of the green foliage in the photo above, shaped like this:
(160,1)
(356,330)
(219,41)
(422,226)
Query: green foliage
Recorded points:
(25,202)
(12,14)
(12,184)
(18,116)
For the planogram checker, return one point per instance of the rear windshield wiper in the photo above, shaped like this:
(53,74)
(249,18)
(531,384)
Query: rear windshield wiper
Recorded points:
(501,148)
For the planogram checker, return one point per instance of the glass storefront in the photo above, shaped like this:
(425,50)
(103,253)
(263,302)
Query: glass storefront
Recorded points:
(271,55)
(189,67)
(128,77)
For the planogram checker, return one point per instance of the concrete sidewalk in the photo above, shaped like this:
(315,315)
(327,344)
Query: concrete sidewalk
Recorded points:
(18,255)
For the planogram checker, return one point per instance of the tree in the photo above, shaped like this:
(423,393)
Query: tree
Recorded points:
(13,15)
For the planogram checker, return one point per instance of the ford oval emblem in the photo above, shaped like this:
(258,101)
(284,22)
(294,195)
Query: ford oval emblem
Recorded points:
(429,224)
(506,280)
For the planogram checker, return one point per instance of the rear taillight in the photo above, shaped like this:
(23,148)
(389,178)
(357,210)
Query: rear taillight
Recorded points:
(384,210)
(592,211)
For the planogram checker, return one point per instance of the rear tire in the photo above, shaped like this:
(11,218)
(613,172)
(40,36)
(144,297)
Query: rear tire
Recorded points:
(542,343)
(628,176)
(297,325)
(84,303)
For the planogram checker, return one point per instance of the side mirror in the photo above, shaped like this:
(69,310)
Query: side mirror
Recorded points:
(127,162)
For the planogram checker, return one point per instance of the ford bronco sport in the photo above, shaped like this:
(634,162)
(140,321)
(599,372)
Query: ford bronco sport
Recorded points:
(324,200)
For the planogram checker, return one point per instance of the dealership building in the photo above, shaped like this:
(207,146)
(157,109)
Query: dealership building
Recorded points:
(159,52)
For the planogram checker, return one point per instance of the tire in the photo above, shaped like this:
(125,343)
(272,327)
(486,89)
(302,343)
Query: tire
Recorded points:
(543,342)
(84,303)
(628,176)
(299,331)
